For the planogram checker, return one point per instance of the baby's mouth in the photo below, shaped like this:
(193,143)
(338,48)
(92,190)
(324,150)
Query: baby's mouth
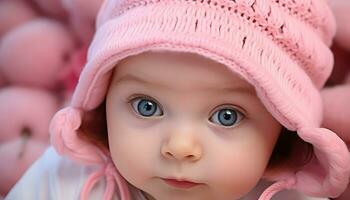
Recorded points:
(182,184)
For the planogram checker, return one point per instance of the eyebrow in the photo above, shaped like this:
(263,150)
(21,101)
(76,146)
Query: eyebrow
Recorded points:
(133,78)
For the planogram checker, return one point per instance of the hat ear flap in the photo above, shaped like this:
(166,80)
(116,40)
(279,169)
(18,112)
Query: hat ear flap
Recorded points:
(328,172)
(64,129)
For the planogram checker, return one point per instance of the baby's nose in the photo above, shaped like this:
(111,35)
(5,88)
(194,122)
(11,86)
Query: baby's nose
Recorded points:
(182,147)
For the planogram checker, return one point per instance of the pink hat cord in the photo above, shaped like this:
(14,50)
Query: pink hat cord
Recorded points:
(111,173)
(64,137)
(277,187)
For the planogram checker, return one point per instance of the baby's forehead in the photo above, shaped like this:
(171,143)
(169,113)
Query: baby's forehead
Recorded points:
(182,70)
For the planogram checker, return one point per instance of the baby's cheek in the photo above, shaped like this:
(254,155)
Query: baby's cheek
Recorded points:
(132,155)
(129,164)
(235,174)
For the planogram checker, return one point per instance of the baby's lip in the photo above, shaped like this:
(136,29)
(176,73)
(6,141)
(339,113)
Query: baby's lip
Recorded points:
(180,183)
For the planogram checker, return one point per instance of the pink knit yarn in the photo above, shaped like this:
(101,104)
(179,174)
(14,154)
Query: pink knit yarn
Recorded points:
(65,138)
(281,47)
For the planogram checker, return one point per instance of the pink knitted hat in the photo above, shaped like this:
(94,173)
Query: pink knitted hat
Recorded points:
(281,47)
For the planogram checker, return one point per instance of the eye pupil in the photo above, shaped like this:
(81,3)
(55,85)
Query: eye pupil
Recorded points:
(147,107)
(227,117)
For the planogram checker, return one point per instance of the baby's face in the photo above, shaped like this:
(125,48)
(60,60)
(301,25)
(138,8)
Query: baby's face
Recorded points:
(181,126)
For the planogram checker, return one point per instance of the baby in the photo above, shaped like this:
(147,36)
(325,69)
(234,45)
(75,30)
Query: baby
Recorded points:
(197,100)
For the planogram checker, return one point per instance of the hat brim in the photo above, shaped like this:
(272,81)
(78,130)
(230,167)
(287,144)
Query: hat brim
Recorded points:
(284,88)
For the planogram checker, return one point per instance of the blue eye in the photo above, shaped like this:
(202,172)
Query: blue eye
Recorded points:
(226,117)
(146,107)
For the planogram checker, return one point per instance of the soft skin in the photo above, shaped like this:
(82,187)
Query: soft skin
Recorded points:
(184,139)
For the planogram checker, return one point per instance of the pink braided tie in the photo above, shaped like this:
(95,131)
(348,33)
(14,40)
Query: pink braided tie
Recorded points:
(276,187)
(112,176)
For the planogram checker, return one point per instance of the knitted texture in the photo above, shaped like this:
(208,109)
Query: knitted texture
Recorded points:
(281,47)
(265,35)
